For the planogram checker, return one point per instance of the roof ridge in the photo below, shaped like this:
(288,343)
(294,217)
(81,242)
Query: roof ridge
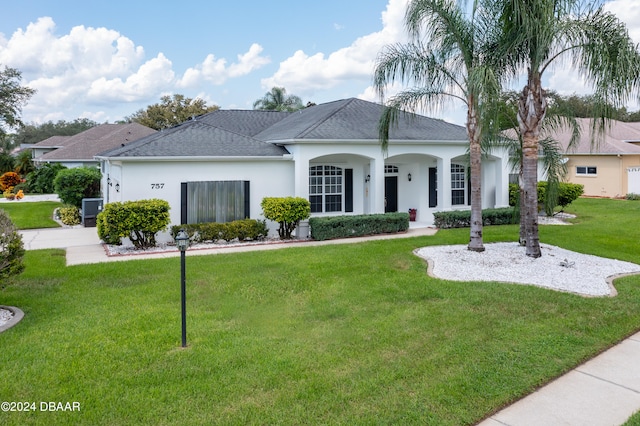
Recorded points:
(319,122)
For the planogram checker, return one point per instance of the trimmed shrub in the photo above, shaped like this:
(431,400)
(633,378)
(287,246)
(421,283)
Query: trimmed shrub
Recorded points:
(632,196)
(242,230)
(72,185)
(40,181)
(11,248)
(330,227)
(9,180)
(462,218)
(567,193)
(69,215)
(139,220)
(287,211)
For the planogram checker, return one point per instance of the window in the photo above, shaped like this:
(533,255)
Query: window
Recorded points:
(325,189)
(215,201)
(388,168)
(457,184)
(586,170)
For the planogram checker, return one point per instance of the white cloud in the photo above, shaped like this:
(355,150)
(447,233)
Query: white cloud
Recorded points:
(217,72)
(303,74)
(100,67)
(628,11)
(152,77)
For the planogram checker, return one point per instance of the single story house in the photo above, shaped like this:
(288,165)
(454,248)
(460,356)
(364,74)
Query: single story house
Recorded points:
(79,150)
(607,165)
(219,166)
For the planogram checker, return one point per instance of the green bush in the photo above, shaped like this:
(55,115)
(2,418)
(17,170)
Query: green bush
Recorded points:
(330,227)
(72,185)
(243,230)
(462,218)
(139,220)
(11,248)
(69,215)
(287,211)
(632,196)
(567,193)
(40,181)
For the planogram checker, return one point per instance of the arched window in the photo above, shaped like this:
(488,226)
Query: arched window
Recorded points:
(325,189)
(457,184)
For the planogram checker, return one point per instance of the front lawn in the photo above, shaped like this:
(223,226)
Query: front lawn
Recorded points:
(339,334)
(32,215)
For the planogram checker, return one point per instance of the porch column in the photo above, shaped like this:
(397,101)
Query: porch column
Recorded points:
(376,189)
(444,183)
(502,179)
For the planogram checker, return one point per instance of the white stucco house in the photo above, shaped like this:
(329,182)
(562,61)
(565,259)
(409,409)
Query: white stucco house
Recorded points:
(219,166)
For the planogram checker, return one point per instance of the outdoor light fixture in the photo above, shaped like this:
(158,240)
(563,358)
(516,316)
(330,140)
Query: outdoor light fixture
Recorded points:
(117,187)
(182,242)
(368,178)
(409,177)
(109,181)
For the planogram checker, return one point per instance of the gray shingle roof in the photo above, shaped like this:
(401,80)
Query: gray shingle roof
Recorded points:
(225,133)
(196,138)
(85,145)
(356,119)
(53,141)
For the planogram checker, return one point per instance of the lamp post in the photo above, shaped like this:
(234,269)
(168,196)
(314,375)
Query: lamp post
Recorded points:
(182,241)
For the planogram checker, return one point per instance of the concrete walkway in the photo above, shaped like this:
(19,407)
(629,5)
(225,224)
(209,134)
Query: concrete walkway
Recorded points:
(602,391)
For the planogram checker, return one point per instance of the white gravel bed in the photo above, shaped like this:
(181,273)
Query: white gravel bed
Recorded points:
(5,316)
(557,268)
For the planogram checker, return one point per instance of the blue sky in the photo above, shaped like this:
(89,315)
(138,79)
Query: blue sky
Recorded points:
(105,60)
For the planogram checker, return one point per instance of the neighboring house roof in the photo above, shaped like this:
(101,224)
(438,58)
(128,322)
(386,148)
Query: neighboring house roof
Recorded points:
(231,133)
(53,142)
(84,146)
(614,141)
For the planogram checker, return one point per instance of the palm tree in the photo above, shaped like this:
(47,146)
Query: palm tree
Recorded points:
(539,33)
(445,60)
(278,100)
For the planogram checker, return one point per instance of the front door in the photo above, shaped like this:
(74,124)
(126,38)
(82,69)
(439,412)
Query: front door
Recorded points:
(390,194)
(433,187)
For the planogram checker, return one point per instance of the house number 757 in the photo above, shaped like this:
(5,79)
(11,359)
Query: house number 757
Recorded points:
(157,185)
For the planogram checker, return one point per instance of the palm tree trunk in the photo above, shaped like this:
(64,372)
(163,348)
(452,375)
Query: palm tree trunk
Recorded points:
(530,195)
(531,112)
(475,158)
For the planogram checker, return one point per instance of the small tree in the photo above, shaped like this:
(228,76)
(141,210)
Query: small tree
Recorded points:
(40,181)
(288,212)
(72,185)
(11,248)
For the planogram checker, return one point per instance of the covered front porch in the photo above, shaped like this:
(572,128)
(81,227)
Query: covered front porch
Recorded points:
(408,178)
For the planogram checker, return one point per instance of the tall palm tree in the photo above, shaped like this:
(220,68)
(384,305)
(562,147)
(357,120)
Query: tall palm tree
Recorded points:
(278,100)
(539,33)
(445,60)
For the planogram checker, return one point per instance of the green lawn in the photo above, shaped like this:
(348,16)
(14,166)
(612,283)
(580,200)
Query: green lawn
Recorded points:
(28,215)
(342,334)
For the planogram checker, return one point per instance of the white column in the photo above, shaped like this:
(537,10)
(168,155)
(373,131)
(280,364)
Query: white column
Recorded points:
(376,188)
(502,179)
(444,183)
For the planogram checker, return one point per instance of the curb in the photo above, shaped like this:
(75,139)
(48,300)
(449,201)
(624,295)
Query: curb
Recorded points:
(17,317)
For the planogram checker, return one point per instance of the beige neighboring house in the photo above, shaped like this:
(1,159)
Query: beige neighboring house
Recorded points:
(79,150)
(608,167)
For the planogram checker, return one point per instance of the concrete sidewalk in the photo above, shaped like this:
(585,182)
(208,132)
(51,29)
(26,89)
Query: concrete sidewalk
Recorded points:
(602,391)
